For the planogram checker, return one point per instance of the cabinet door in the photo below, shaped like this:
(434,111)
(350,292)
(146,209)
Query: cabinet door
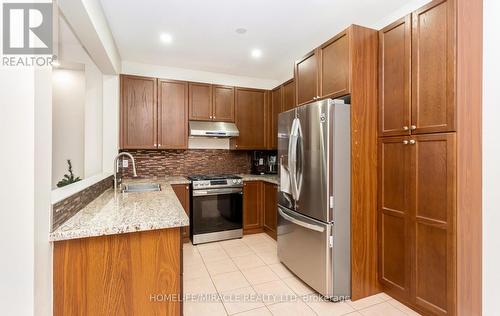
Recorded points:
(288,94)
(270,208)
(138,113)
(433,68)
(394,216)
(306,79)
(200,101)
(223,103)
(182,193)
(395,78)
(250,118)
(274,110)
(433,219)
(334,64)
(252,207)
(173,114)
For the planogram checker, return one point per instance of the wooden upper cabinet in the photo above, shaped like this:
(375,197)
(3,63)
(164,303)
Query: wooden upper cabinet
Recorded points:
(250,109)
(200,101)
(252,206)
(306,78)
(334,74)
(288,95)
(394,215)
(223,103)
(172,114)
(395,78)
(274,109)
(433,203)
(433,67)
(326,71)
(138,112)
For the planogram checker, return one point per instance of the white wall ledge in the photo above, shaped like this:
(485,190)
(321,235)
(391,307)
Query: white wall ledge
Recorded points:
(60,194)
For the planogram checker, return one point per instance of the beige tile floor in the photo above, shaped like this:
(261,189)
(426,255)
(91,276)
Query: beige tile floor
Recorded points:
(244,277)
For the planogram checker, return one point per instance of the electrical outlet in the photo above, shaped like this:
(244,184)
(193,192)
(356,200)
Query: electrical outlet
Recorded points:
(125,163)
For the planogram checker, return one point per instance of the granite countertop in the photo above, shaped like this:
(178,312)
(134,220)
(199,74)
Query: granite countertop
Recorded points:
(122,213)
(271,178)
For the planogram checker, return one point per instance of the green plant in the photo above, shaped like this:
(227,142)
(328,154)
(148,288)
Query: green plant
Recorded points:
(68,179)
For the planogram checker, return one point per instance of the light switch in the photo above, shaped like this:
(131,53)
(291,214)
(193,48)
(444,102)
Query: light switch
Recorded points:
(125,163)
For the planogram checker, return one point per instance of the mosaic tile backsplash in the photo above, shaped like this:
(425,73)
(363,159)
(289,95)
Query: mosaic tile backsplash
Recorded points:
(160,163)
(65,209)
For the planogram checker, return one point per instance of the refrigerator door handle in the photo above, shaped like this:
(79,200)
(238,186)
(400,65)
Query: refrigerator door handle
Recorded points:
(299,222)
(298,172)
(292,157)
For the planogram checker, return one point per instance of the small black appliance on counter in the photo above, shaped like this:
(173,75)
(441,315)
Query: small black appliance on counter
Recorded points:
(264,162)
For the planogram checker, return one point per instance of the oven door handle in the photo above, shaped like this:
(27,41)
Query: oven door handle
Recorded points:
(217,191)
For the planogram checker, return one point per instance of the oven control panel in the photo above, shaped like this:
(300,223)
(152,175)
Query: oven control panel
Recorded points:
(219,183)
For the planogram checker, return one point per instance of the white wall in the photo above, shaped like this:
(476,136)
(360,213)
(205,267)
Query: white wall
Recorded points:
(88,20)
(70,50)
(491,158)
(133,68)
(409,7)
(68,124)
(110,113)
(43,155)
(93,120)
(17,134)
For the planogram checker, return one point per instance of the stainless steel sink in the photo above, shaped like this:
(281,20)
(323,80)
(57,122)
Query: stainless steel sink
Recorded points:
(141,187)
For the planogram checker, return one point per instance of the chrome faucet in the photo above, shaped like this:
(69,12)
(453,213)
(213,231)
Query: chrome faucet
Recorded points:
(116,167)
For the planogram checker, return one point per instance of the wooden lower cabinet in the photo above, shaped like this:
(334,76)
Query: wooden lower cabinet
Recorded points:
(270,208)
(417,214)
(252,207)
(123,274)
(394,215)
(182,193)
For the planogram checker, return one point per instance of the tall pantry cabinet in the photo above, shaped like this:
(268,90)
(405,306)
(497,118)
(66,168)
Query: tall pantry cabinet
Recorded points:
(420,217)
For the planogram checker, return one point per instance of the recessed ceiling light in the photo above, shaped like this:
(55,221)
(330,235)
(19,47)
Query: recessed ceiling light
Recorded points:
(166,38)
(256,53)
(241,30)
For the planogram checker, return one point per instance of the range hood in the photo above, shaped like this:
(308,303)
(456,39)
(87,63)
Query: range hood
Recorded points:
(213,129)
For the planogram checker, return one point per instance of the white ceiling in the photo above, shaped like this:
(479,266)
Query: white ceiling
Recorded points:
(204,36)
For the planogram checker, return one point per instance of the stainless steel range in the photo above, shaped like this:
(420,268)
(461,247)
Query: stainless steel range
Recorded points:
(216,208)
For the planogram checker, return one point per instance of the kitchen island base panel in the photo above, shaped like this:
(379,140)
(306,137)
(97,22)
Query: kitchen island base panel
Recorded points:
(125,274)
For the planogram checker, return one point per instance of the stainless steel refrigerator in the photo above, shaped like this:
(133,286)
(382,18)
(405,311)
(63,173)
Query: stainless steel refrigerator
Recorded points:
(314,213)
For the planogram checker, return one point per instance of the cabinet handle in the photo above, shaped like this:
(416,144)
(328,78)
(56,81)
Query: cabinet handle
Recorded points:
(159,145)
(413,127)
(413,142)
(405,128)
(156,145)
(405,142)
